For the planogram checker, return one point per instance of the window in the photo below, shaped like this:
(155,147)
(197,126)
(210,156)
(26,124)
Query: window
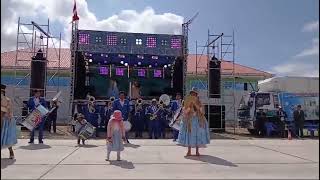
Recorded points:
(138,41)
(245,86)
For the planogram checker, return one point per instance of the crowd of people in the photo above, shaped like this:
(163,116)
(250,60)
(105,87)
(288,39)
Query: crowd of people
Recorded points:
(280,122)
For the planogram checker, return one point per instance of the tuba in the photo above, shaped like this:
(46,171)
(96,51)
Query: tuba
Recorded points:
(138,105)
(91,102)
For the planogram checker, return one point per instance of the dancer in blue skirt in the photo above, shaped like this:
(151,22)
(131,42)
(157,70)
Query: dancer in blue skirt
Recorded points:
(8,124)
(194,131)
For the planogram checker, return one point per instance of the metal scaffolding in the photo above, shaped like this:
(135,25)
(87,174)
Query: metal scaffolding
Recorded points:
(32,37)
(222,47)
(74,48)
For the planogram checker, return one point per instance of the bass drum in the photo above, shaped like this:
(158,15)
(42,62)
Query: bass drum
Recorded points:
(127,125)
(175,123)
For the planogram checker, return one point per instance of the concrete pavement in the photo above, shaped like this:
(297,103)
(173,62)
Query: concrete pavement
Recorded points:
(162,159)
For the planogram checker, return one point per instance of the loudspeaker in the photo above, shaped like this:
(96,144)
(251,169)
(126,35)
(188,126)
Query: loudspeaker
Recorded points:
(79,77)
(214,78)
(178,76)
(217,120)
(38,73)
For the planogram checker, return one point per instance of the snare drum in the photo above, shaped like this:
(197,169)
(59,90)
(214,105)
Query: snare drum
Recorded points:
(175,123)
(87,131)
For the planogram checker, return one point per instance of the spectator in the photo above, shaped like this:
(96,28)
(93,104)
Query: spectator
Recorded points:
(298,116)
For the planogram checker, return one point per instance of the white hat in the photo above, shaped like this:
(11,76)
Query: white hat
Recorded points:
(153,100)
(194,89)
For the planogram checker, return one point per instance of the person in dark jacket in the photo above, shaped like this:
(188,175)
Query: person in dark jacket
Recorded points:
(52,117)
(298,117)
(122,104)
(260,122)
(33,102)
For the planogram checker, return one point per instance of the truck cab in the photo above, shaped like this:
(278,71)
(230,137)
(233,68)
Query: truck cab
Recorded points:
(250,105)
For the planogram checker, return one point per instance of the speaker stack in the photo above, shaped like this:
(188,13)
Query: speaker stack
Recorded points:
(217,117)
(214,77)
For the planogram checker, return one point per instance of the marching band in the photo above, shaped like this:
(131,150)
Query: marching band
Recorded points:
(157,115)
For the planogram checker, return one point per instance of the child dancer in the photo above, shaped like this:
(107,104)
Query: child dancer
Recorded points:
(115,134)
(79,126)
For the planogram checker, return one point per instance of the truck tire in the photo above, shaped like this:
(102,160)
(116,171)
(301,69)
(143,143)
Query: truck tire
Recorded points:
(252,131)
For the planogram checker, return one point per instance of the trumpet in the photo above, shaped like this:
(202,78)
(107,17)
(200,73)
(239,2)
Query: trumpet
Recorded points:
(161,104)
(91,102)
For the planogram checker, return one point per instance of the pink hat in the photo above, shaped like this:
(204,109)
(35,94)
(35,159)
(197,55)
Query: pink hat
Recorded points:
(117,115)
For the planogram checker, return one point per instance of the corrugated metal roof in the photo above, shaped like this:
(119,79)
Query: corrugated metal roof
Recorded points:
(194,66)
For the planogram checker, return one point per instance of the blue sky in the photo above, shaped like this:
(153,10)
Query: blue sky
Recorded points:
(279,36)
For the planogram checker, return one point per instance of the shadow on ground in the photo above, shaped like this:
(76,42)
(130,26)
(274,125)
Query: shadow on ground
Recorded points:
(211,160)
(131,145)
(87,146)
(35,147)
(123,164)
(5,162)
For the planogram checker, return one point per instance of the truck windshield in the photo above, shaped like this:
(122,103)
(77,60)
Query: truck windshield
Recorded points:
(262,99)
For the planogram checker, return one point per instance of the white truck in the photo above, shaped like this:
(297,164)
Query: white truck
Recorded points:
(286,92)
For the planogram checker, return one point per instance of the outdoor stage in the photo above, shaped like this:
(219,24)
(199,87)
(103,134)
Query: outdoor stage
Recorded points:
(162,159)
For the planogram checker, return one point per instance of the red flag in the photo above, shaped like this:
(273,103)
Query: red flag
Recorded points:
(75,16)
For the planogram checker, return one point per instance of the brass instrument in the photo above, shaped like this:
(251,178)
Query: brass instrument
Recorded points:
(138,105)
(91,102)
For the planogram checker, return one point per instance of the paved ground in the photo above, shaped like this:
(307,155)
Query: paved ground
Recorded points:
(162,159)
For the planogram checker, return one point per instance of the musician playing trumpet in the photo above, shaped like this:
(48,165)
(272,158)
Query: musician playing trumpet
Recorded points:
(138,118)
(152,113)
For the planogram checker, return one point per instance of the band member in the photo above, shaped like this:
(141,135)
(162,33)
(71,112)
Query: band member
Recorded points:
(298,117)
(194,132)
(115,135)
(32,104)
(162,114)
(8,124)
(122,104)
(176,104)
(107,112)
(113,90)
(81,122)
(52,117)
(90,112)
(135,90)
(138,118)
(152,113)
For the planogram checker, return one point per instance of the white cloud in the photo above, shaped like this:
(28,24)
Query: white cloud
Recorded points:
(311,26)
(312,51)
(297,69)
(146,21)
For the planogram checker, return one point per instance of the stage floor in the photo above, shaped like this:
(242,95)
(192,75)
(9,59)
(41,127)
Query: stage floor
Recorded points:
(163,159)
